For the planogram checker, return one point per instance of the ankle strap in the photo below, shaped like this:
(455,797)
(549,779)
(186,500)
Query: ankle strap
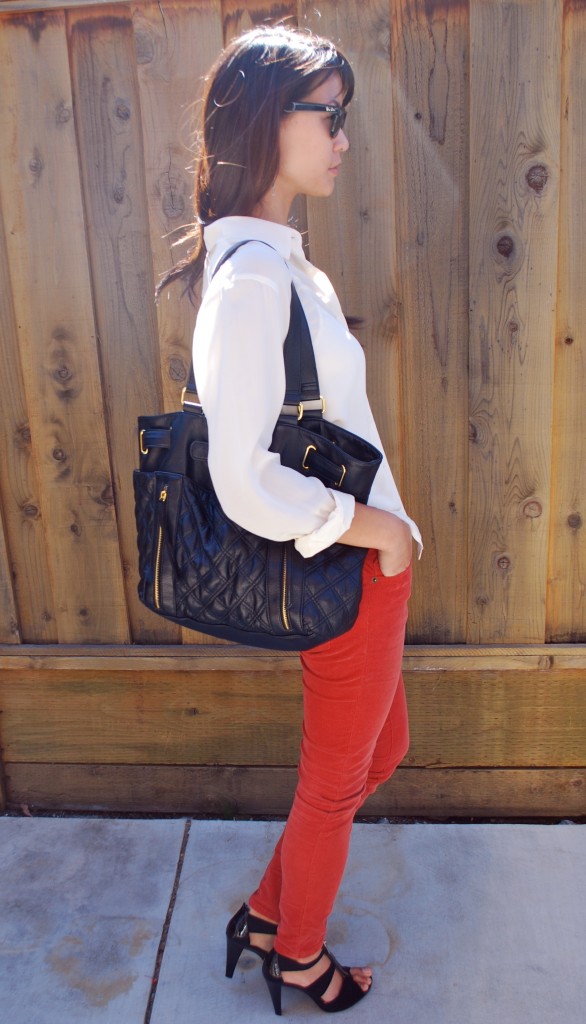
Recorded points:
(285,963)
(258,924)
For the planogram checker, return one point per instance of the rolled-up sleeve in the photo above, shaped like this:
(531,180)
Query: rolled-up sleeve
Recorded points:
(238,363)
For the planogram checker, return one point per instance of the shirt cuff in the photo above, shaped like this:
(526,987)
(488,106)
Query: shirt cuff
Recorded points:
(336,524)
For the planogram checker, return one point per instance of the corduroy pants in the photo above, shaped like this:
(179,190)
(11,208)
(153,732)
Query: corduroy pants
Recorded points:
(355,733)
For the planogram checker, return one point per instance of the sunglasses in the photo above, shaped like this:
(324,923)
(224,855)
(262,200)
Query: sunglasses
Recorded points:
(337,114)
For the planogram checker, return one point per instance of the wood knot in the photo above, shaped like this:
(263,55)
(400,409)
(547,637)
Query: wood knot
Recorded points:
(418,116)
(107,496)
(505,246)
(532,509)
(568,340)
(177,370)
(504,563)
(472,432)
(83,613)
(574,521)
(76,529)
(59,455)
(62,374)
(118,193)
(62,113)
(536,178)
(30,511)
(36,164)
(22,436)
(122,110)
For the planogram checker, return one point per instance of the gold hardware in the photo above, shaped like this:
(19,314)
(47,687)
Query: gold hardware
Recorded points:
(284,612)
(339,484)
(163,498)
(143,450)
(310,448)
(301,408)
(184,392)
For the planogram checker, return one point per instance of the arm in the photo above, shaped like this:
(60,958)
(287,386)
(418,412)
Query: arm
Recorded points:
(374,528)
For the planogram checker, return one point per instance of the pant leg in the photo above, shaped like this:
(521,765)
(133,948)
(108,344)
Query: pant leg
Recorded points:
(392,744)
(350,685)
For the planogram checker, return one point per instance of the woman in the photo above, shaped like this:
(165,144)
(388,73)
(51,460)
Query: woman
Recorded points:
(273,128)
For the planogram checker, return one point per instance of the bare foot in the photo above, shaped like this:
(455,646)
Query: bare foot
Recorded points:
(361,975)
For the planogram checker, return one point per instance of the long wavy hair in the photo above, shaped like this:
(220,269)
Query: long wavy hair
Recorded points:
(246,91)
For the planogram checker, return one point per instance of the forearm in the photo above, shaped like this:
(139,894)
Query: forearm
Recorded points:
(389,535)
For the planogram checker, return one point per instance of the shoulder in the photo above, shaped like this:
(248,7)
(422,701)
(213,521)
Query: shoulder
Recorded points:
(252,261)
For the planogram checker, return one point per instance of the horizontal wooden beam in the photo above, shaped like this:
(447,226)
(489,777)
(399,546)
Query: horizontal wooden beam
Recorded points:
(252,716)
(233,658)
(228,791)
(32,7)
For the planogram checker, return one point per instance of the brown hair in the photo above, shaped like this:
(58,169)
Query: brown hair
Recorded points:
(247,89)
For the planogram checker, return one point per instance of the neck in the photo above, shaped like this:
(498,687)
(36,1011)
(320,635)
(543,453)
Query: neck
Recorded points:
(274,206)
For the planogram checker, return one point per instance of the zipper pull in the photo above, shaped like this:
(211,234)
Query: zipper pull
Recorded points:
(163,494)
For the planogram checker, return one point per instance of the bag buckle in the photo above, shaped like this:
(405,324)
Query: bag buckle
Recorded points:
(185,401)
(143,450)
(302,406)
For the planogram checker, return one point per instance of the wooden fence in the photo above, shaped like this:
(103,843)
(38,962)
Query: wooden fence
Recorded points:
(458,231)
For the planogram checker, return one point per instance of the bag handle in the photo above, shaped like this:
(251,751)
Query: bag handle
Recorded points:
(302,394)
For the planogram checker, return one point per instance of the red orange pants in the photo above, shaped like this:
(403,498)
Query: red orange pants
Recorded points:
(355,733)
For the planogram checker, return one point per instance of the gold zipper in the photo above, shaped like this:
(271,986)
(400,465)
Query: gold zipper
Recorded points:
(162,497)
(284,613)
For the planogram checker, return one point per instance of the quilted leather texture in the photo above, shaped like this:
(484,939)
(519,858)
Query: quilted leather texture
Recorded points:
(200,569)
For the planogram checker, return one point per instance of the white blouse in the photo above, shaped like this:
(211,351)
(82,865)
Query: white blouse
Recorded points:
(238,364)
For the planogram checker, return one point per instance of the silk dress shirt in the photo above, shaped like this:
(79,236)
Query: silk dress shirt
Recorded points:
(238,364)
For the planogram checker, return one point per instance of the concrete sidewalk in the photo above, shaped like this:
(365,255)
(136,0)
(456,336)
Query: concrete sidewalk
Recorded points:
(463,924)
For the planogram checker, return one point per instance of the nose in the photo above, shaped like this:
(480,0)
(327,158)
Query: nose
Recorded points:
(341,142)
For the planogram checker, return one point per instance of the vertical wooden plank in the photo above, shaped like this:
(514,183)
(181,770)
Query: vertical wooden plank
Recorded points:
(175,46)
(430,97)
(351,235)
(9,630)
(566,606)
(45,237)
(26,567)
(107,113)
(514,154)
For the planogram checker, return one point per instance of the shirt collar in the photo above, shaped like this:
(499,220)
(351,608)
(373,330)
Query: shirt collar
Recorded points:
(226,231)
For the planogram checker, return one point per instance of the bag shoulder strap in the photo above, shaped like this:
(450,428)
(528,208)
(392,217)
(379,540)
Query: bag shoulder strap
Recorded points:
(302,392)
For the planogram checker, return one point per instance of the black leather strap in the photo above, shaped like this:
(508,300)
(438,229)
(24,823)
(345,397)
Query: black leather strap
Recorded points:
(301,380)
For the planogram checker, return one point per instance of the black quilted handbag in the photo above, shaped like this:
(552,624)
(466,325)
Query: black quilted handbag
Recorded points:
(203,571)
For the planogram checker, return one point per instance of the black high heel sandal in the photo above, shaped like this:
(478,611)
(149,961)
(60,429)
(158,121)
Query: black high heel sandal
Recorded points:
(349,994)
(237,936)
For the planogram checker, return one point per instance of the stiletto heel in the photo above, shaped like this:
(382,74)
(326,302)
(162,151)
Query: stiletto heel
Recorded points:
(237,936)
(349,994)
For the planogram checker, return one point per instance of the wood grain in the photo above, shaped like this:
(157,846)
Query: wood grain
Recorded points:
(173,48)
(228,792)
(108,123)
(566,604)
(458,719)
(9,630)
(45,241)
(430,114)
(514,185)
(24,573)
(351,236)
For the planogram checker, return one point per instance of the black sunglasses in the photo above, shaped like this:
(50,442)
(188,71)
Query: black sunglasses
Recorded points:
(337,114)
